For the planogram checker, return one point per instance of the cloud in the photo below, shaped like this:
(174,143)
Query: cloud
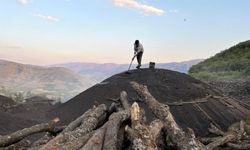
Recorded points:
(11,47)
(146,9)
(48,18)
(22,1)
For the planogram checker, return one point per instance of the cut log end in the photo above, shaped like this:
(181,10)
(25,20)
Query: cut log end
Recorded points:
(56,120)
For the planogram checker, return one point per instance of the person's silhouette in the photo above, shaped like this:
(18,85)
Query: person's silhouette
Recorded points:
(138,52)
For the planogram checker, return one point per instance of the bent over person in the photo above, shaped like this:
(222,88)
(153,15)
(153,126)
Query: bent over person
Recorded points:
(138,52)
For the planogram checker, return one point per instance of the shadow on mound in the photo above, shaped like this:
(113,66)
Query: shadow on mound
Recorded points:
(193,103)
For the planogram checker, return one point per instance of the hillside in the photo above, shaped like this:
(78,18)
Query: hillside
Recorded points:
(228,65)
(21,81)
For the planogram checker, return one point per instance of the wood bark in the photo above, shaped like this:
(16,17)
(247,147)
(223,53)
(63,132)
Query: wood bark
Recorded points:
(24,144)
(200,100)
(155,130)
(89,123)
(177,135)
(124,100)
(74,124)
(112,108)
(245,146)
(223,140)
(230,136)
(97,140)
(213,129)
(184,103)
(106,138)
(42,141)
(77,143)
(142,136)
(21,134)
(113,125)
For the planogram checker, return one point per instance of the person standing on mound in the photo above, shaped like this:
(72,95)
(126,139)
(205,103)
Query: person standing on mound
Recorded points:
(138,52)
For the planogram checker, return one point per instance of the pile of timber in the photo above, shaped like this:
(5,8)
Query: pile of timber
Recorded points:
(121,126)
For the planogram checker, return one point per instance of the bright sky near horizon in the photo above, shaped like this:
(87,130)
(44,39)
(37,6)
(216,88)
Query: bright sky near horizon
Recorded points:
(56,31)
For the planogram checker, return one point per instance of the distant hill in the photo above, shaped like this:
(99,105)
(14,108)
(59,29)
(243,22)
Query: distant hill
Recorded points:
(107,69)
(21,81)
(230,64)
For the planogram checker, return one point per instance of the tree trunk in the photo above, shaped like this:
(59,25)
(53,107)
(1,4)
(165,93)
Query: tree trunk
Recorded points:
(115,121)
(124,100)
(77,143)
(177,135)
(113,127)
(21,134)
(89,123)
(97,140)
(245,146)
(76,123)
(232,135)
(221,141)
(142,137)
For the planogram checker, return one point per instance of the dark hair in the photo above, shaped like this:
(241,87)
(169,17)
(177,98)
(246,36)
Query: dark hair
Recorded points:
(137,42)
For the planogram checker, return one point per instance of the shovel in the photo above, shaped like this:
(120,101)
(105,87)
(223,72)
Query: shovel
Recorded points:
(128,72)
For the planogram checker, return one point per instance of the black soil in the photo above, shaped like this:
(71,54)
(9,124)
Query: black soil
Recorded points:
(6,103)
(237,89)
(167,87)
(16,116)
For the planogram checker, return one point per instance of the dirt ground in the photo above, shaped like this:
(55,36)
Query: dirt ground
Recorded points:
(14,116)
(237,89)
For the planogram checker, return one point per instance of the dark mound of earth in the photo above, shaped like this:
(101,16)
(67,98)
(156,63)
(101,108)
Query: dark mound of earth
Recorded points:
(167,87)
(15,116)
(237,89)
(6,102)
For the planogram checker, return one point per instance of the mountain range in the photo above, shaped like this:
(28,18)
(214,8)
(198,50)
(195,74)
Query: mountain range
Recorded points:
(63,81)
(102,71)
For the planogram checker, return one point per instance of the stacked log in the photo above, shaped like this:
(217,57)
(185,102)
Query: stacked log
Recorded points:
(121,126)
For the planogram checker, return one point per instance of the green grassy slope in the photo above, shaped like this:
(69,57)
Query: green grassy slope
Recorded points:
(230,64)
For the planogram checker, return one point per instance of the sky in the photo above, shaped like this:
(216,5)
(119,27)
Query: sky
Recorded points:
(43,32)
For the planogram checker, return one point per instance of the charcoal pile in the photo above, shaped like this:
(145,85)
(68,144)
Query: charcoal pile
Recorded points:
(15,116)
(239,89)
(194,104)
(168,111)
